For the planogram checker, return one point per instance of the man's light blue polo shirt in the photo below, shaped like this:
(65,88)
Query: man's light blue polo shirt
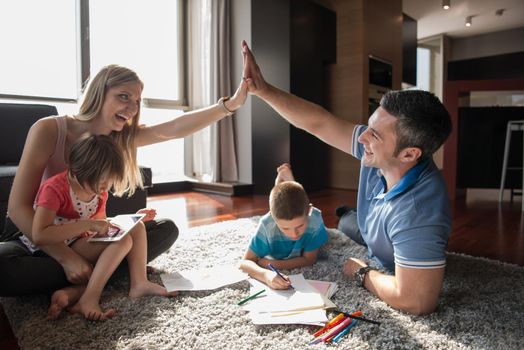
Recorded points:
(409,225)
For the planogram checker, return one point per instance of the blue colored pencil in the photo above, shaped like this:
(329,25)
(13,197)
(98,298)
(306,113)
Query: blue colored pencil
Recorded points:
(344,331)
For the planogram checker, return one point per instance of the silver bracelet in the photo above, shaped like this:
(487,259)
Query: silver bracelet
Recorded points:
(221,102)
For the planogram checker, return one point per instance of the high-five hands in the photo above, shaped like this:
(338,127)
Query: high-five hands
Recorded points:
(251,73)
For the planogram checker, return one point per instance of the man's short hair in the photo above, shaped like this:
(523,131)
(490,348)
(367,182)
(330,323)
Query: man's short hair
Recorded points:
(288,200)
(423,121)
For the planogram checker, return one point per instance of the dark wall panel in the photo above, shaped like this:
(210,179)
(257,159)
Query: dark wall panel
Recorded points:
(313,46)
(270,132)
(508,66)
(480,153)
(409,50)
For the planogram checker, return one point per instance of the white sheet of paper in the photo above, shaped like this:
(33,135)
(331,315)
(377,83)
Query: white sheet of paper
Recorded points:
(310,317)
(203,279)
(302,297)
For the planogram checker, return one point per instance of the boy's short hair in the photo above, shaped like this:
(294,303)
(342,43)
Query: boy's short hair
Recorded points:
(288,200)
(94,158)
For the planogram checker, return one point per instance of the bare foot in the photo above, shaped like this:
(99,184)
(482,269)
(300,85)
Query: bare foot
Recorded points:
(63,298)
(284,173)
(149,288)
(91,311)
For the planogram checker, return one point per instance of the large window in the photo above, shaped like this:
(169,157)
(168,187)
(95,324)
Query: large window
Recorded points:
(39,49)
(44,46)
(49,49)
(141,35)
(144,36)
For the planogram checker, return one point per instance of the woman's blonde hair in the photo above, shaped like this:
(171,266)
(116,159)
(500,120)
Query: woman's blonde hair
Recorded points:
(109,77)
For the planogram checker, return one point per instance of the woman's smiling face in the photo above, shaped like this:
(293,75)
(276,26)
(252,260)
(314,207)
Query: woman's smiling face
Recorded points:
(121,105)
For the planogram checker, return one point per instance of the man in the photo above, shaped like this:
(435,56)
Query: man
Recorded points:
(403,209)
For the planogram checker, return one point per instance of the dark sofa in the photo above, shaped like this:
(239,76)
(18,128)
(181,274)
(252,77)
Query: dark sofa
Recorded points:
(16,119)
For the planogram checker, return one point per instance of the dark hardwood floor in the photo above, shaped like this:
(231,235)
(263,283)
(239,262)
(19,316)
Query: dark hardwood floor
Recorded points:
(480,226)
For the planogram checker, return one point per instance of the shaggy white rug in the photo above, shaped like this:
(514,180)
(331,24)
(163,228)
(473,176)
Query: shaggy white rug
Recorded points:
(481,307)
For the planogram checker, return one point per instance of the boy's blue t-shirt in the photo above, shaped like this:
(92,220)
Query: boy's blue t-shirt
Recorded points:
(270,242)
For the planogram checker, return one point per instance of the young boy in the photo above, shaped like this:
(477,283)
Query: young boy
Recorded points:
(287,237)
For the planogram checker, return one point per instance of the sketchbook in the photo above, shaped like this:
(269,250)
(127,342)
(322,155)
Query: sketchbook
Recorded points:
(325,288)
(302,297)
(124,224)
(302,305)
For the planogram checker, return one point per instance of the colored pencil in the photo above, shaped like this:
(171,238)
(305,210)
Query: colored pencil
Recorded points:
(344,331)
(251,297)
(358,317)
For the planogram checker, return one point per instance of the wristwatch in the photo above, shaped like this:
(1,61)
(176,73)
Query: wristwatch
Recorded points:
(221,102)
(361,273)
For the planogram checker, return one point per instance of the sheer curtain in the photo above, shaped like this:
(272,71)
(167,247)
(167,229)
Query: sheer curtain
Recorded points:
(212,149)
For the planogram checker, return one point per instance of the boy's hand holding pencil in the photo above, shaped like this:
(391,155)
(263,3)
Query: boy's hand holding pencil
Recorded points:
(276,280)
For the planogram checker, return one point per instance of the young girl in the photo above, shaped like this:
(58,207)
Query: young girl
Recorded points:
(70,207)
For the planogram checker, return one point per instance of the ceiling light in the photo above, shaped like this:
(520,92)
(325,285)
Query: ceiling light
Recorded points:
(468,21)
(446,4)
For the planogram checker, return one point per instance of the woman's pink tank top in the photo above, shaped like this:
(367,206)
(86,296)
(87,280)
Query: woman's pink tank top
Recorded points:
(56,163)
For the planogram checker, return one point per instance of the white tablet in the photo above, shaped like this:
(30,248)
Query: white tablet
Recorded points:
(125,223)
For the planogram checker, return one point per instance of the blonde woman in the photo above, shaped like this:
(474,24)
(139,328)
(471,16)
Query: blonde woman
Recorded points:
(111,106)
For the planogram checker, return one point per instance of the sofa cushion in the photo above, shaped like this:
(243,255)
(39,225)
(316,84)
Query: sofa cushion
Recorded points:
(147,176)
(17,119)
(126,205)
(7,174)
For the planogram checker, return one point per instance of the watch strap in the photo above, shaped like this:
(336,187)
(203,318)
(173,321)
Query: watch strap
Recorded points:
(360,274)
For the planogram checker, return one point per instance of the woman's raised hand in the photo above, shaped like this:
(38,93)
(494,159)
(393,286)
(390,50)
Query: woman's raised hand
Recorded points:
(251,73)
(239,98)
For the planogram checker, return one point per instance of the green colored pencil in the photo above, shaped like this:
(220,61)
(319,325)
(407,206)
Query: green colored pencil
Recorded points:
(251,297)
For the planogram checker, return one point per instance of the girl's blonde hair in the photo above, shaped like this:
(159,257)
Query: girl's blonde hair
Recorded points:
(109,77)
